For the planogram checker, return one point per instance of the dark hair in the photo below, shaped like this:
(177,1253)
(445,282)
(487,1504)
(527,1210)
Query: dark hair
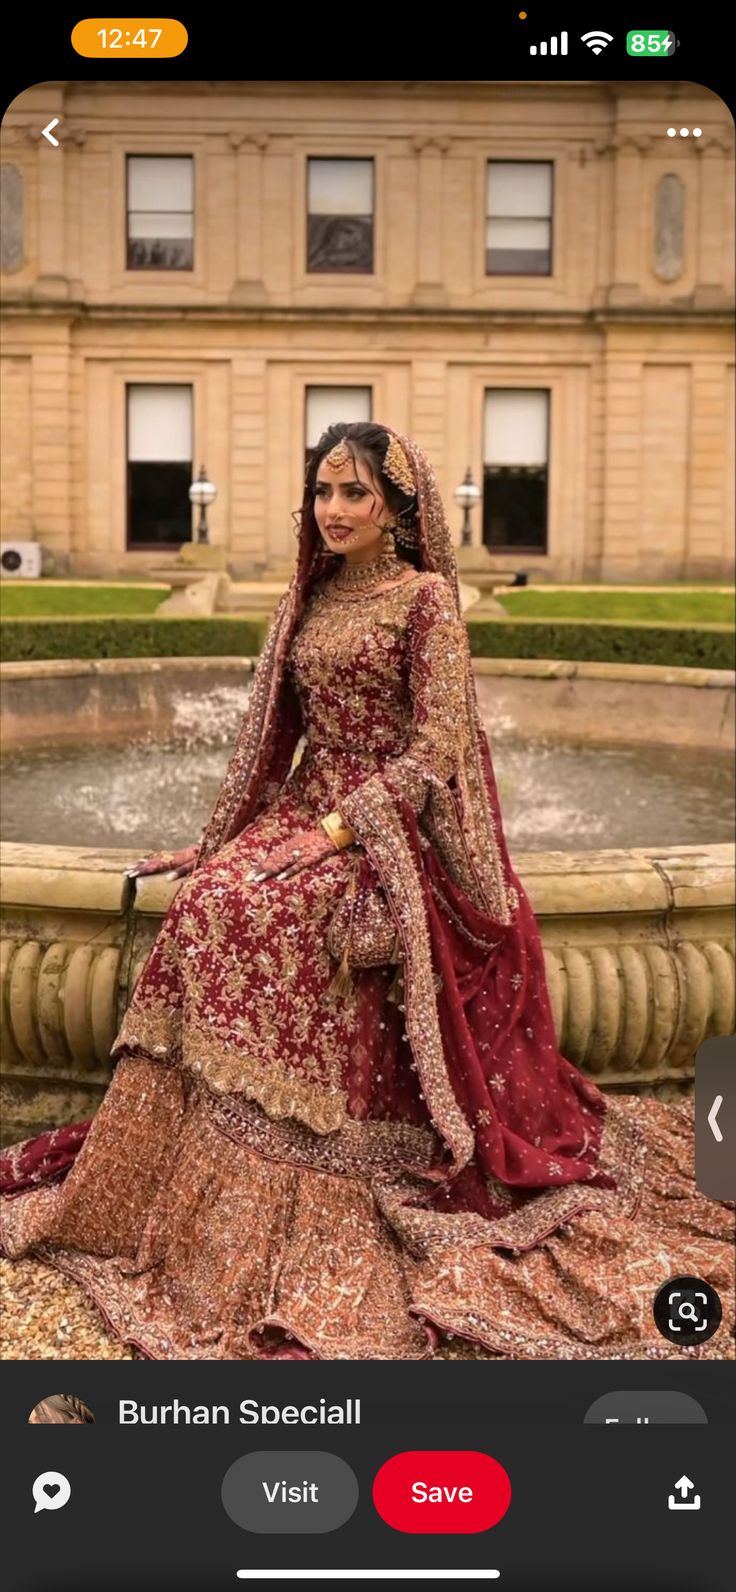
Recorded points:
(367,442)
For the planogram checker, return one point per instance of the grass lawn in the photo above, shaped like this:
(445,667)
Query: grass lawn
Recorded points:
(57,600)
(689,607)
(60,602)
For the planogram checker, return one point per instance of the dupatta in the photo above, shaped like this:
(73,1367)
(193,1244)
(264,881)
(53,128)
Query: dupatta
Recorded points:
(524,1140)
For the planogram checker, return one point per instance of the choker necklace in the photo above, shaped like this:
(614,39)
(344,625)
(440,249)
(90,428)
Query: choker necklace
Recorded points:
(357,578)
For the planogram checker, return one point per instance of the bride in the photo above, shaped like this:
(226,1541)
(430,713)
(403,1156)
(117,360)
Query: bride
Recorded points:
(339,1125)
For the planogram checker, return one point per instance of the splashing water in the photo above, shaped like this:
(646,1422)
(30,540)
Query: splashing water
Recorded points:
(154,792)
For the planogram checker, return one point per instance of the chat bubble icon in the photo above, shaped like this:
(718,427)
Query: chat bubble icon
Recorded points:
(51,1491)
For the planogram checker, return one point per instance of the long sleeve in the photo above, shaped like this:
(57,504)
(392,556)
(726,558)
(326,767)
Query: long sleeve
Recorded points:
(438,658)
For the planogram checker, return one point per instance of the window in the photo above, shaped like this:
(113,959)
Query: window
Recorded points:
(159,466)
(519,218)
(340,215)
(326,405)
(515,469)
(160,229)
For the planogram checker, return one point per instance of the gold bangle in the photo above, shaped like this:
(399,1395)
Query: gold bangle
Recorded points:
(338,831)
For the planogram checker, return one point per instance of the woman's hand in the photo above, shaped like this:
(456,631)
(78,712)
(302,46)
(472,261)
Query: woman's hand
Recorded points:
(311,844)
(179,863)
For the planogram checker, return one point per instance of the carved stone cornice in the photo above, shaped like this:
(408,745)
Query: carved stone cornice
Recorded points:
(423,144)
(625,144)
(249,141)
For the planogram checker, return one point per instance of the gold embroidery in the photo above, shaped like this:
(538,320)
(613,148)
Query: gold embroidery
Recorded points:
(278,1089)
(372,814)
(355,1149)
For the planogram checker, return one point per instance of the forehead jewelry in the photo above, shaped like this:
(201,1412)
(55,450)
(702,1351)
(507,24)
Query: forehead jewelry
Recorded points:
(396,467)
(339,456)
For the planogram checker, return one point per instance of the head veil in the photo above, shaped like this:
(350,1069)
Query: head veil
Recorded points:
(507,1108)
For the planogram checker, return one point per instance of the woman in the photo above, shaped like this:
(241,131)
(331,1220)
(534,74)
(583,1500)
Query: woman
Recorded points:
(339,1125)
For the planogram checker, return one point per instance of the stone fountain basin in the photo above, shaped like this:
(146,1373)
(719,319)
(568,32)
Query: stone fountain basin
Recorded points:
(112,699)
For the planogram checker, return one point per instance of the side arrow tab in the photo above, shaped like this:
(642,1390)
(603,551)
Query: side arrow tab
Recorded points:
(46,132)
(712,1123)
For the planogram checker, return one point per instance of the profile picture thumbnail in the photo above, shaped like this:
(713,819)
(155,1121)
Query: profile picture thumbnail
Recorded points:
(61,1409)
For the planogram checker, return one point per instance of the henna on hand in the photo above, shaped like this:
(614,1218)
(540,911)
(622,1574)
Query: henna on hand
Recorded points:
(311,844)
(179,863)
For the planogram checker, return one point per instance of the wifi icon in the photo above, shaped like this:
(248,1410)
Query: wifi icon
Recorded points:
(596,40)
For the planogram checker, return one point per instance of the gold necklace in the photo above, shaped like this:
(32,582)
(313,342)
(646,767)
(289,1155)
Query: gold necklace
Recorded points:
(355,579)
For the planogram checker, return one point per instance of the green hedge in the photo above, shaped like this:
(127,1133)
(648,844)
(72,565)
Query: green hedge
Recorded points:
(698,646)
(605,641)
(26,640)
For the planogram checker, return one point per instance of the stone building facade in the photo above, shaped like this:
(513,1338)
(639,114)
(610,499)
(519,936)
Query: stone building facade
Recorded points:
(534,280)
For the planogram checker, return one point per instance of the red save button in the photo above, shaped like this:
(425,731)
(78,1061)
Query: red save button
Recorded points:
(432,1490)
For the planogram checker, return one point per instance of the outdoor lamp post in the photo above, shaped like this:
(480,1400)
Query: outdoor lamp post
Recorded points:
(466,496)
(202,492)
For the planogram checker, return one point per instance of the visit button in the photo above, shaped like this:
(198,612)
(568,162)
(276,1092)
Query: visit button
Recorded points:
(434,1490)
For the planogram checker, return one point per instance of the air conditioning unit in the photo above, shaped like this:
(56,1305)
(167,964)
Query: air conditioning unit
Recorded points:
(20,560)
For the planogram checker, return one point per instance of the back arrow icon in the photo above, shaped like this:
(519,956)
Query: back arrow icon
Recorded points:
(712,1123)
(46,133)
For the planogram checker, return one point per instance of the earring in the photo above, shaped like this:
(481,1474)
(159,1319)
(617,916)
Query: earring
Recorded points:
(407,528)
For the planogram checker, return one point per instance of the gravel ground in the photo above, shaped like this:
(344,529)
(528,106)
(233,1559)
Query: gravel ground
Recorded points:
(46,1316)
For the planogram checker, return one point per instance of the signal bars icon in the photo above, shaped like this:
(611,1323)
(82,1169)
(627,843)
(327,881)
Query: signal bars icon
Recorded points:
(550,47)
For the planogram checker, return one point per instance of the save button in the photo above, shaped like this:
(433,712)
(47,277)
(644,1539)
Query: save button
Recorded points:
(441,1490)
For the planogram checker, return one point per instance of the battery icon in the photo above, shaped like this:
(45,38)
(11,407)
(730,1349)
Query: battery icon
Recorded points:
(651,41)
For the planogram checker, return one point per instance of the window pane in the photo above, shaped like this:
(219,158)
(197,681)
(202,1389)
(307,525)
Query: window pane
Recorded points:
(340,243)
(516,427)
(515,508)
(160,224)
(515,471)
(519,248)
(160,212)
(160,423)
(160,182)
(340,218)
(162,254)
(159,511)
(519,188)
(340,187)
(326,405)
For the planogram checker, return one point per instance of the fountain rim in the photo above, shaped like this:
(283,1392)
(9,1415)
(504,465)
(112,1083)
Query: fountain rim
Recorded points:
(536,668)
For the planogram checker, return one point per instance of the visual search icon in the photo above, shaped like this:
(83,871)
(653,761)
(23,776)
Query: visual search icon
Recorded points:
(687,1311)
(596,40)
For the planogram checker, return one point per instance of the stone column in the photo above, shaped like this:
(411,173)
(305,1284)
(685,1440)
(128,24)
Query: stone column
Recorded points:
(51,281)
(710,288)
(430,288)
(249,287)
(625,286)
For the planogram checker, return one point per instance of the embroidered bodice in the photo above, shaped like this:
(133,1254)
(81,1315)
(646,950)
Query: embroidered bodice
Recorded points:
(382,680)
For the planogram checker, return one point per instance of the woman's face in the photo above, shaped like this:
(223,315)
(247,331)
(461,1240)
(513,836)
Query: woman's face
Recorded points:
(349,508)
